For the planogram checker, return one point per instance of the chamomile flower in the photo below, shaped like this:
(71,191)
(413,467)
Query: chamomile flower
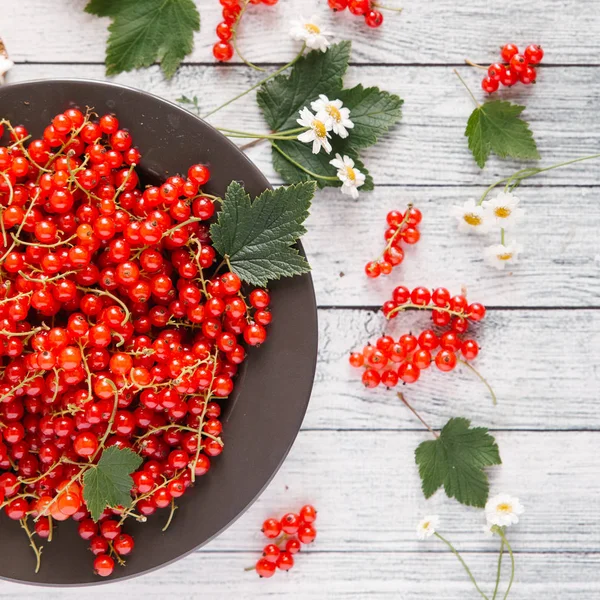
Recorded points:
(427,526)
(503,510)
(500,255)
(503,210)
(471,217)
(350,176)
(339,116)
(318,133)
(5,65)
(311,32)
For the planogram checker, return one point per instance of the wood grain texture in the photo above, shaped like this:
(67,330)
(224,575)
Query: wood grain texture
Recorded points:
(345,576)
(426,32)
(428,147)
(519,351)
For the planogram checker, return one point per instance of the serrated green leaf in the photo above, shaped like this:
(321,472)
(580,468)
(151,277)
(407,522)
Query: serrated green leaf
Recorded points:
(109,483)
(496,127)
(372,111)
(316,163)
(456,460)
(144,32)
(257,237)
(316,73)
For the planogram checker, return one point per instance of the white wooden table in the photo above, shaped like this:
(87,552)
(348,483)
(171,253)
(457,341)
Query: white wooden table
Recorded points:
(541,340)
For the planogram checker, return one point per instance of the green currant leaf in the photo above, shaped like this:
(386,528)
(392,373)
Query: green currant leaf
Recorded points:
(456,460)
(316,163)
(257,236)
(372,111)
(316,73)
(109,483)
(496,127)
(143,32)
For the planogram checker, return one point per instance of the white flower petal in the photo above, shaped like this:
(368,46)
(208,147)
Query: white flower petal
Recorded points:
(427,526)
(503,510)
(471,218)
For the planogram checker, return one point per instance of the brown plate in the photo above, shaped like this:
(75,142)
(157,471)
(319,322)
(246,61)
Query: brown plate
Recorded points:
(262,417)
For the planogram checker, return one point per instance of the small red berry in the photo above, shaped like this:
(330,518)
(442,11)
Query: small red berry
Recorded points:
(271,528)
(265,568)
(374,19)
(534,54)
(290,523)
(307,534)
(518,63)
(489,85)
(508,51)
(308,513)
(285,561)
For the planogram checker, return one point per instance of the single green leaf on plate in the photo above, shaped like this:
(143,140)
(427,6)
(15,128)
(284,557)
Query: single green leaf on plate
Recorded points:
(496,127)
(109,483)
(257,236)
(316,73)
(144,32)
(456,460)
(316,163)
(372,111)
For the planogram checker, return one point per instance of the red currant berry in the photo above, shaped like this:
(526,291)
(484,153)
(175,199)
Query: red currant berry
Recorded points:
(271,528)
(534,54)
(489,85)
(265,568)
(285,561)
(508,51)
(374,18)
(445,360)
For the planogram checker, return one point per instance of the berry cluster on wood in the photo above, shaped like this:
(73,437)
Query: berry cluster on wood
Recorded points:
(116,329)
(518,67)
(223,50)
(361,8)
(289,534)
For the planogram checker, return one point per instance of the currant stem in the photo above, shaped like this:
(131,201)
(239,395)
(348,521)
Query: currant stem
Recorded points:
(530,172)
(467,87)
(403,307)
(499,531)
(297,164)
(414,412)
(173,509)
(474,64)
(396,233)
(105,293)
(499,570)
(462,562)
(279,71)
(385,7)
(37,551)
(483,379)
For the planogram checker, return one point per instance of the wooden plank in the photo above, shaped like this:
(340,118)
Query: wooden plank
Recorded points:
(541,365)
(428,147)
(426,32)
(345,576)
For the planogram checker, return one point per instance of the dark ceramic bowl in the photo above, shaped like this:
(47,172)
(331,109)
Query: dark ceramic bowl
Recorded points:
(262,417)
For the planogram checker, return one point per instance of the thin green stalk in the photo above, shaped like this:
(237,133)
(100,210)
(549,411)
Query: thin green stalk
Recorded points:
(278,72)
(499,571)
(481,377)
(499,531)
(234,39)
(519,176)
(467,88)
(297,164)
(462,562)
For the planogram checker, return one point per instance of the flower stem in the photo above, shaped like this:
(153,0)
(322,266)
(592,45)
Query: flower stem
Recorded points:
(530,172)
(485,381)
(414,412)
(462,562)
(499,531)
(297,164)
(499,571)
(264,136)
(467,88)
(234,39)
(279,71)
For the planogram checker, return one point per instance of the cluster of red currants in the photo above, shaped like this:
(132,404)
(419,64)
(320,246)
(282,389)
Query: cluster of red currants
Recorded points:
(116,329)
(390,361)
(519,67)
(366,8)
(232,12)
(402,227)
(289,534)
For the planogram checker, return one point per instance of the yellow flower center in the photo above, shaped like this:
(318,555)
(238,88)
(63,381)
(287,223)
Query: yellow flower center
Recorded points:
(426,524)
(312,28)
(505,507)
(351,173)
(502,212)
(505,256)
(334,112)
(320,128)
(472,219)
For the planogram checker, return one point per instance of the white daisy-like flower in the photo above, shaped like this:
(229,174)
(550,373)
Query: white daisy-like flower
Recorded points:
(5,66)
(338,114)
(503,210)
(471,217)
(500,255)
(350,176)
(503,510)
(318,133)
(427,526)
(311,32)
